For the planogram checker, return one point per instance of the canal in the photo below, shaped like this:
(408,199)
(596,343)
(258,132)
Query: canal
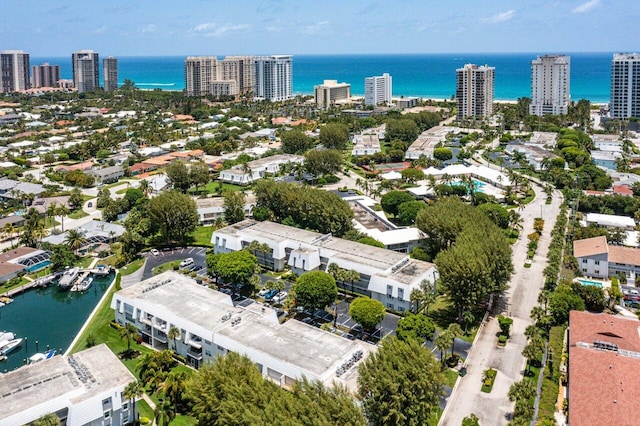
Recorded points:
(49,316)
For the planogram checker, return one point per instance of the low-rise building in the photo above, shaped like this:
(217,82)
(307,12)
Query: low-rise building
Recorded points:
(604,369)
(365,145)
(331,93)
(95,233)
(426,142)
(610,221)
(12,189)
(598,259)
(535,155)
(606,159)
(85,388)
(385,275)
(256,169)
(403,103)
(107,175)
(210,325)
(212,209)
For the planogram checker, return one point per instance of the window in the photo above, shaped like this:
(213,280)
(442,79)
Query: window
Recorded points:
(597,272)
(584,261)
(390,305)
(107,414)
(400,294)
(597,262)
(584,269)
(125,406)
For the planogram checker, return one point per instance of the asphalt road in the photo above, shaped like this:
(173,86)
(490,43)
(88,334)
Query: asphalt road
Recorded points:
(197,253)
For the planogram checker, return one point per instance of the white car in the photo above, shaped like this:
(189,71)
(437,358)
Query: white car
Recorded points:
(279,298)
(188,261)
(154,252)
(263,291)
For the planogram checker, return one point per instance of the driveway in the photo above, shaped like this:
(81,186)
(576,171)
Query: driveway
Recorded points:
(525,285)
(198,254)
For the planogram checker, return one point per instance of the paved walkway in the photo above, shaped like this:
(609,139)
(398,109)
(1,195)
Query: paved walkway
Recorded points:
(134,278)
(495,408)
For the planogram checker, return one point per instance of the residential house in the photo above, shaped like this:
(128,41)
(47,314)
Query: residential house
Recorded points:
(598,259)
(256,169)
(107,175)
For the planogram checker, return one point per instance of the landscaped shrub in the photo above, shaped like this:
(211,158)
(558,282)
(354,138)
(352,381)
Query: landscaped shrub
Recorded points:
(502,339)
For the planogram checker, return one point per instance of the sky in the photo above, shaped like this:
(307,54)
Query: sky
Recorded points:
(212,27)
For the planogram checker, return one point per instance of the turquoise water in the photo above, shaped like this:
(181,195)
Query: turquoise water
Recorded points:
(49,316)
(38,266)
(588,282)
(477,184)
(426,75)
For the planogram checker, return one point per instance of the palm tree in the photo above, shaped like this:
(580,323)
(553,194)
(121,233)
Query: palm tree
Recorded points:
(164,413)
(173,333)
(442,343)
(467,318)
(132,392)
(129,332)
(523,390)
(75,240)
(39,232)
(145,187)
(51,213)
(173,387)
(9,230)
(62,211)
(455,331)
(416,297)
(352,277)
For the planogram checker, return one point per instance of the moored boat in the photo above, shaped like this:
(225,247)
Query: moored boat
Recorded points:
(68,278)
(10,346)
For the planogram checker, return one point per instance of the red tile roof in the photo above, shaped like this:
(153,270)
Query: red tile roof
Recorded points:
(604,386)
(590,246)
(622,190)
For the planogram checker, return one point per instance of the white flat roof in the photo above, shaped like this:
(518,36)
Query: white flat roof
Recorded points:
(611,220)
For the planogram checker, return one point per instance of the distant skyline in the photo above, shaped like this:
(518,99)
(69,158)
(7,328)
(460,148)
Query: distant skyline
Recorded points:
(205,27)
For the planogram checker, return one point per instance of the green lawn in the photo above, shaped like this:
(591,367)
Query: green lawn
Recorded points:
(144,409)
(84,262)
(78,214)
(450,377)
(182,420)
(165,267)
(132,267)
(202,236)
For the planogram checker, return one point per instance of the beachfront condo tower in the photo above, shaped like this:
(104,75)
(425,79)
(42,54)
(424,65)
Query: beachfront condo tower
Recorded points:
(207,75)
(273,77)
(45,75)
(86,70)
(474,91)
(14,68)
(625,85)
(377,90)
(331,92)
(110,73)
(550,85)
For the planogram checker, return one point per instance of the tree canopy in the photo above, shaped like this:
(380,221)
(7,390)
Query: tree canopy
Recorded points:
(391,201)
(233,206)
(306,207)
(367,312)
(175,214)
(236,267)
(334,136)
(400,384)
(315,290)
(415,326)
(327,161)
(232,391)
(295,142)
(178,176)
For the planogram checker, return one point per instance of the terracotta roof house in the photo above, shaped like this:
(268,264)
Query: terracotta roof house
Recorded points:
(599,259)
(604,369)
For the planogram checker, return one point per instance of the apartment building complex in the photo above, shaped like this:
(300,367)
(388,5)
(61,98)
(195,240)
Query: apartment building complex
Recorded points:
(45,75)
(550,81)
(385,275)
(273,77)
(86,70)
(331,92)
(625,85)
(110,73)
(14,69)
(377,90)
(207,75)
(475,91)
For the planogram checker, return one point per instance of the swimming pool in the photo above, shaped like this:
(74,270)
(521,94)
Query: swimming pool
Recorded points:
(477,184)
(38,266)
(588,282)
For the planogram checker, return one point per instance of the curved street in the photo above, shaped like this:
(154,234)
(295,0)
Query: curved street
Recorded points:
(495,408)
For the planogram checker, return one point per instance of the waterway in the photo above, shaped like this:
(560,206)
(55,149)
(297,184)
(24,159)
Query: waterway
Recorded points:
(49,316)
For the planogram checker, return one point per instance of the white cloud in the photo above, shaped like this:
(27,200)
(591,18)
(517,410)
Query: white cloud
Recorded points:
(211,29)
(151,28)
(586,7)
(499,17)
(274,29)
(100,30)
(315,28)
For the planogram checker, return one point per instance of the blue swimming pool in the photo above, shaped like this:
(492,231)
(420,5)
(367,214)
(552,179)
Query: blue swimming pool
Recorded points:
(589,282)
(38,266)
(477,184)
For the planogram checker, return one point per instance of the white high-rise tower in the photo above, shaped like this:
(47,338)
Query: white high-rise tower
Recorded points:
(550,77)
(474,91)
(377,90)
(625,85)
(273,77)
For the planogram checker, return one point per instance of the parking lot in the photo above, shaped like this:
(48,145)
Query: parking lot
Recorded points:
(317,318)
(198,254)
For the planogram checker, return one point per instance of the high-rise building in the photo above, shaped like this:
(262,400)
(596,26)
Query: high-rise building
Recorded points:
(474,91)
(625,85)
(199,72)
(240,69)
(330,92)
(377,90)
(273,77)
(110,73)
(86,70)
(550,76)
(45,75)
(14,68)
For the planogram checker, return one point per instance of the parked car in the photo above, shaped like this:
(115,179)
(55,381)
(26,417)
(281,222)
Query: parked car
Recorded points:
(279,298)
(263,291)
(270,294)
(188,261)
(154,252)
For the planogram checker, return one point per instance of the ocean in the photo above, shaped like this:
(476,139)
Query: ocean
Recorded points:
(424,75)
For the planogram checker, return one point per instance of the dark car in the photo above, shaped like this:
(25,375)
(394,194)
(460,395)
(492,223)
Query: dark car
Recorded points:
(270,294)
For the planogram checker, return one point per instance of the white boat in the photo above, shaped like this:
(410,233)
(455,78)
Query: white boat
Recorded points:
(11,345)
(84,285)
(40,356)
(5,336)
(68,277)
(102,270)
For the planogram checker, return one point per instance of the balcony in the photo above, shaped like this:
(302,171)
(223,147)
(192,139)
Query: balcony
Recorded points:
(147,320)
(194,354)
(194,341)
